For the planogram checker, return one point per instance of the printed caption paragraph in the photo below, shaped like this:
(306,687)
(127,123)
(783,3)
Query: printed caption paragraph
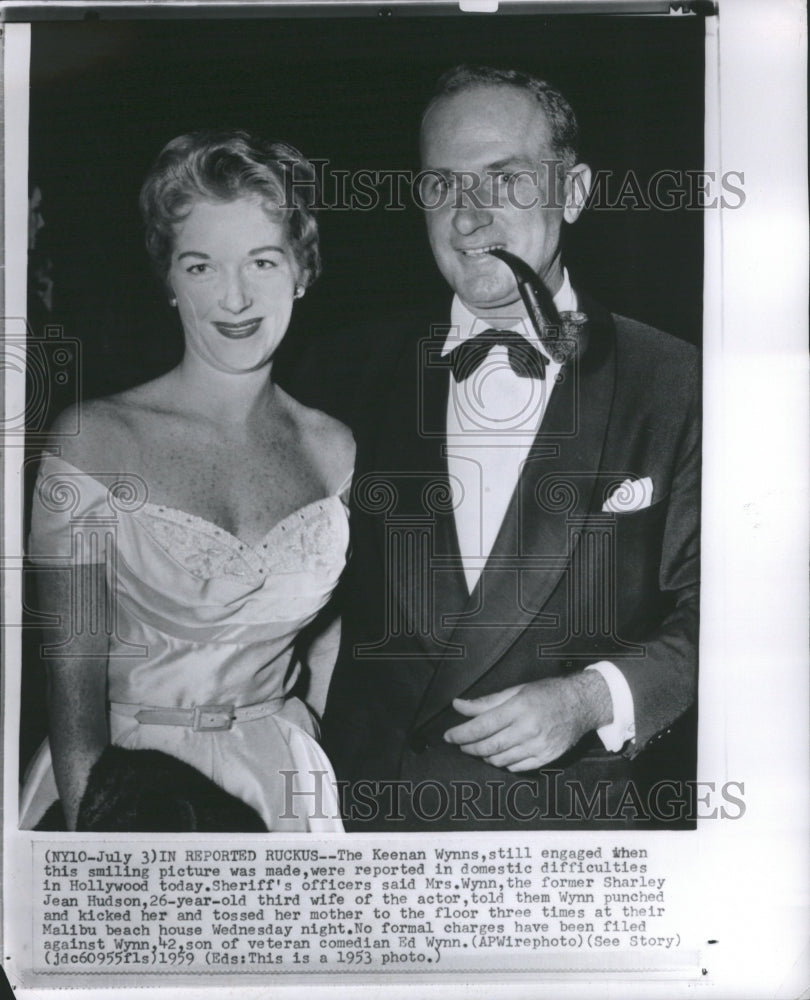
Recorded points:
(99,907)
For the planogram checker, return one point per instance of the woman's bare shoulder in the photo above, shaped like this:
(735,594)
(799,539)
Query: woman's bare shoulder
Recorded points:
(95,433)
(333,434)
(329,440)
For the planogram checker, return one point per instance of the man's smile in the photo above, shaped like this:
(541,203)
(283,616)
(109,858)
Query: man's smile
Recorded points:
(482,251)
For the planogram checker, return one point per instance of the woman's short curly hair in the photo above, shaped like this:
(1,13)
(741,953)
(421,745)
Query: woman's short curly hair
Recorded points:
(224,166)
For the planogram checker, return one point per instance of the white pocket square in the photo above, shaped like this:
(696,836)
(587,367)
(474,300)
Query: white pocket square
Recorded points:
(631,495)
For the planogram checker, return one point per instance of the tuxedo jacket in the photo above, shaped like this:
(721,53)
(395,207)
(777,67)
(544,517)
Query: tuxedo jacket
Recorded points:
(567,584)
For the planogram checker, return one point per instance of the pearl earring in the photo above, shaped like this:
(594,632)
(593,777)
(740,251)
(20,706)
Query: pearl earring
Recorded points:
(173,302)
(299,292)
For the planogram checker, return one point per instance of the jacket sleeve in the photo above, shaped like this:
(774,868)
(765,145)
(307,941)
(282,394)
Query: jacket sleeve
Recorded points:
(664,682)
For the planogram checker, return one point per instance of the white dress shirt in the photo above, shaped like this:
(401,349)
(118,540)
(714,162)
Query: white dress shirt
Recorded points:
(492,419)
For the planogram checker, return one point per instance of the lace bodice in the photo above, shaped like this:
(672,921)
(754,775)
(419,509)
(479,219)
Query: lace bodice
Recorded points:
(307,536)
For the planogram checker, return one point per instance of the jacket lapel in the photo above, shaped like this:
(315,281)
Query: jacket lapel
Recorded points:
(417,534)
(532,551)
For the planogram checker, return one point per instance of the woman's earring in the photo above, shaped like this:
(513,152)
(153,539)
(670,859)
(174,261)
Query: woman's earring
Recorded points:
(299,292)
(173,302)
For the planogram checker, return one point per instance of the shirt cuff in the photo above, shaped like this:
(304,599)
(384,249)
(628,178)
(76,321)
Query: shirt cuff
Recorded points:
(623,727)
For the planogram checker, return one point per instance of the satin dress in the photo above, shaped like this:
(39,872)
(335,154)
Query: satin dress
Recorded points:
(201,621)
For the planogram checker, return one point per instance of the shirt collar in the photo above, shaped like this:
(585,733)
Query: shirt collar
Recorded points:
(464,324)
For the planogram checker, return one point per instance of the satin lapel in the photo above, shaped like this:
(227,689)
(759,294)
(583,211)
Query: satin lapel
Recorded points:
(557,482)
(410,459)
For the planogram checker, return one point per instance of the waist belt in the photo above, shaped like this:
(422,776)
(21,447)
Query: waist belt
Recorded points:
(200,718)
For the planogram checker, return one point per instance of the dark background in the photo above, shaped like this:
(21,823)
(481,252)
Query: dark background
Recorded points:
(106,96)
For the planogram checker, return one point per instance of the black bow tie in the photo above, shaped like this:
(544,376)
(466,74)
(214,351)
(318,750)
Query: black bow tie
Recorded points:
(524,359)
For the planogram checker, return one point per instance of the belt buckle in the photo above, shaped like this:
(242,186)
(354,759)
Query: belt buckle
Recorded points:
(212,718)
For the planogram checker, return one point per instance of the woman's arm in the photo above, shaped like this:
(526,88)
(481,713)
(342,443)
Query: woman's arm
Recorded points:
(76,673)
(334,449)
(321,656)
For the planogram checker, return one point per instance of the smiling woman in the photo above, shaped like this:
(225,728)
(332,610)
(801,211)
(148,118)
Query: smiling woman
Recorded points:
(233,275)
(226,532)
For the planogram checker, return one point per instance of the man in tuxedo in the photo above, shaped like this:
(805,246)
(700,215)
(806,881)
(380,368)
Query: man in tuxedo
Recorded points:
(521,606)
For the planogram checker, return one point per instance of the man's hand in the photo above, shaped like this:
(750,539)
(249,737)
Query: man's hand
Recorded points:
(525,727)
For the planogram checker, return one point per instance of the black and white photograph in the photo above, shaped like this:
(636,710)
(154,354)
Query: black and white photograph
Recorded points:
(370,378)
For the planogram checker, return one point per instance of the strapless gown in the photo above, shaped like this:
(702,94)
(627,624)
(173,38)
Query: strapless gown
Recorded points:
(201,621)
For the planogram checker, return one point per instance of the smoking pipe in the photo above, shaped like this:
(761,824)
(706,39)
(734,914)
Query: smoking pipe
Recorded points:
(564,335)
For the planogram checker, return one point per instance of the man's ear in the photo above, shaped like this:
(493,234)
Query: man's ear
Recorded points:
(577,187)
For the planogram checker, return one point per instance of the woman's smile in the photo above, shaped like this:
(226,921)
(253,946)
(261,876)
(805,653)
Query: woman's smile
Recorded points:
(239,331)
